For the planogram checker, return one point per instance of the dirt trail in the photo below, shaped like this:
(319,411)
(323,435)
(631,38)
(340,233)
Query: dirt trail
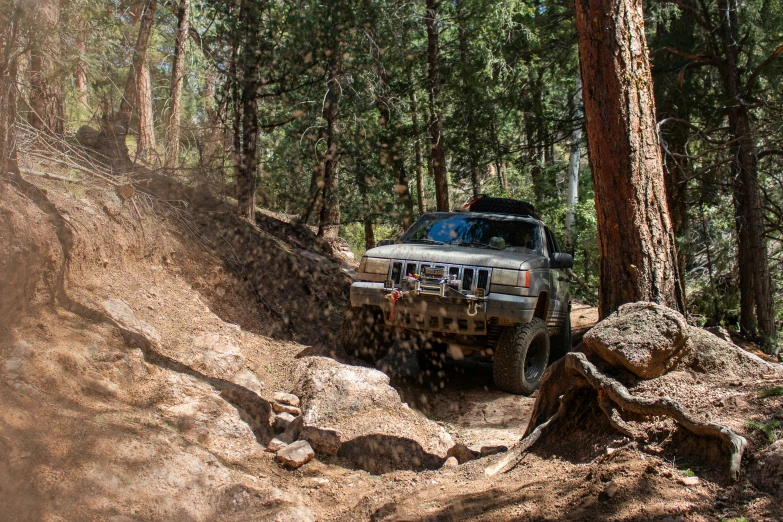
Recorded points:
(97,425)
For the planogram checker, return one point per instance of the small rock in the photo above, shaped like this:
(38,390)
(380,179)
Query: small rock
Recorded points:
(279,442)
(324,440)
(611,488)
(295,455)
(287,398)
(451,462)
(462,453)
(294,428)
(486,451)
(721,333)
(688,481)
(282,421)
(286,408)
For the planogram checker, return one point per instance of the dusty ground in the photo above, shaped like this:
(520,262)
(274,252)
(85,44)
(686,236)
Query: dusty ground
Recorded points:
(93,427)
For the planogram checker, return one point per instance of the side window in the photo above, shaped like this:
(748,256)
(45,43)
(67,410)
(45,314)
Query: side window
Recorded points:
(551,242)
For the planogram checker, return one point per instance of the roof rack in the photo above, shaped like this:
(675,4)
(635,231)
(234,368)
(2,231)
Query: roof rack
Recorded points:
(484,203)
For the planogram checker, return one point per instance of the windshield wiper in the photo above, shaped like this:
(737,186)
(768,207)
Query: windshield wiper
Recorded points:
(477,244)
(426,240)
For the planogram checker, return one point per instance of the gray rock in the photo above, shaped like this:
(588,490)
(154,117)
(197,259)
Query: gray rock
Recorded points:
(295,455)
(287,398)
(282,421)
(352,412)
(646,339)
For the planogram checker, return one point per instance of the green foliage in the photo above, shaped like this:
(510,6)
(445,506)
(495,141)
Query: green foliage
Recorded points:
(772,429)
(775,391)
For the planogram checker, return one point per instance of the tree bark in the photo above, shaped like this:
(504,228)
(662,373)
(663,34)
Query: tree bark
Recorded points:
(462,36)
(417,149)
(572,197)
(129,100)
(638,252)
(438,153)
(329,225)
(46,90)
(145,146)
(80,66)
(177,79)
(248,159)
(752,248)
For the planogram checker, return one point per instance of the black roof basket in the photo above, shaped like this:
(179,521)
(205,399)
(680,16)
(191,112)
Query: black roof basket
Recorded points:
(485,203)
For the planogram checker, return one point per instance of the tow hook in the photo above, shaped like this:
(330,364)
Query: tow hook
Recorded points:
(472,308)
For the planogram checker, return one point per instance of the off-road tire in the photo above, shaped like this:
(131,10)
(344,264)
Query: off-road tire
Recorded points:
(521,356)
(560,343)
(364,335)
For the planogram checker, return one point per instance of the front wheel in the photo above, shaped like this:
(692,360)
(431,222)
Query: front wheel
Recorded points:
(521,356)
(364,334)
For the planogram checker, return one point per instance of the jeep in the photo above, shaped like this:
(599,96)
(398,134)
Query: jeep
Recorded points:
(486,281)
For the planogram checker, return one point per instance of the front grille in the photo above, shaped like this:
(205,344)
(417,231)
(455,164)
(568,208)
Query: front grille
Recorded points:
(462,278)
(483,279)
(467,279)
(396,274)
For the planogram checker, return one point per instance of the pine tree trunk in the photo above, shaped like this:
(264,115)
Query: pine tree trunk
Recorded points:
(248,164)
(47,103)
(329,224)
(177,78)
(464,53)
(438,153)
(636,243)
(752,259)
(145,147)
(80,66)
(417,154)
(572,197)
(122,119)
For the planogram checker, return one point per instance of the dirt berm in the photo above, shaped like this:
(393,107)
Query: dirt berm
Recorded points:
(140,360)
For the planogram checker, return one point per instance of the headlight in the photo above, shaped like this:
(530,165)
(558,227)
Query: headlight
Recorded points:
(501,276)
(374,265)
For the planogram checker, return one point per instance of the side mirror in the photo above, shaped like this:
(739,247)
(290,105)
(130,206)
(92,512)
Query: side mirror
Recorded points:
(384,242)
(561,260)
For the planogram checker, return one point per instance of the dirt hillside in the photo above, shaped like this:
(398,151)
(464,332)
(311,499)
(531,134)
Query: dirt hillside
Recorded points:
(140,352)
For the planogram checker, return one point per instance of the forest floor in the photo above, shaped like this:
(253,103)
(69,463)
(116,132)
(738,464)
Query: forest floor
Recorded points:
(95,427)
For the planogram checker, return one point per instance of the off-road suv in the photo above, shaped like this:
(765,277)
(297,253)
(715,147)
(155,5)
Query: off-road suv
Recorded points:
(488,281)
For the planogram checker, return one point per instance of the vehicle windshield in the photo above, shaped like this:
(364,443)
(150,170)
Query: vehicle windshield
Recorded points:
(492,232)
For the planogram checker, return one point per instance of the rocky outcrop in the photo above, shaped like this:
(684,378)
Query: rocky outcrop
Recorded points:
(352,412)
(646,339)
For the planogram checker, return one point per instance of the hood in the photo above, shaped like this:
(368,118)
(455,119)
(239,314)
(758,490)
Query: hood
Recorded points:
(454,255)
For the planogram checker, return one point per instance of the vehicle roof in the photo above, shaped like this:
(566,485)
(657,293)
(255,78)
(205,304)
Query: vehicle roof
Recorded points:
(488,215)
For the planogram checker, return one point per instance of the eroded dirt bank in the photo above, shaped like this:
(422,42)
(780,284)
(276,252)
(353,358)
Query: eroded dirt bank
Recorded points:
(96,424)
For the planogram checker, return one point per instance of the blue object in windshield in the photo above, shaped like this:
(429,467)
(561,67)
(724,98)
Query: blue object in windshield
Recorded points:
(479,231)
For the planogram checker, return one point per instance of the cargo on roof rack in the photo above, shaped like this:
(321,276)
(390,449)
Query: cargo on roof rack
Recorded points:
(501,206)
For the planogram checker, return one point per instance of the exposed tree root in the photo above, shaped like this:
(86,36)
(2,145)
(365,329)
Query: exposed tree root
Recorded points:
(613,398)
(577,363)
(512,457)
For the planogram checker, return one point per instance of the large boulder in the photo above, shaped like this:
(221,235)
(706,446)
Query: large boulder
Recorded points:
(352,412)
(646,339)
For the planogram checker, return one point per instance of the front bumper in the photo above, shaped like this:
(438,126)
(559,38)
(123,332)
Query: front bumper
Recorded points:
(447,315)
